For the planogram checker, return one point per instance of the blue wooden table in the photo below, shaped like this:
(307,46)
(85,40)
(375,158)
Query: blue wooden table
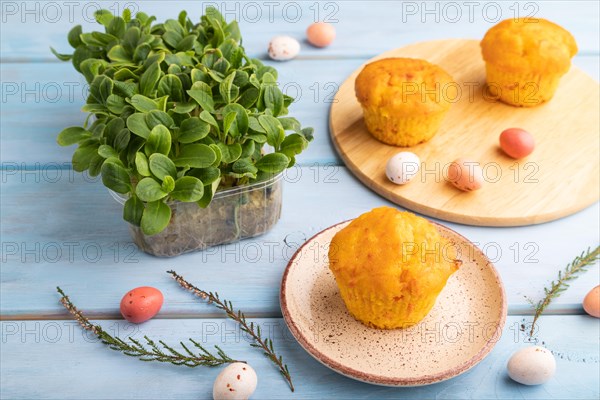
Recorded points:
(61,228)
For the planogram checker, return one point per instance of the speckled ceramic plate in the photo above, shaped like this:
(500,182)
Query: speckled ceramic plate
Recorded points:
(461,329)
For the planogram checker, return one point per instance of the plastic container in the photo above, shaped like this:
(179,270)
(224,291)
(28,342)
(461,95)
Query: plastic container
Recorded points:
(234,214)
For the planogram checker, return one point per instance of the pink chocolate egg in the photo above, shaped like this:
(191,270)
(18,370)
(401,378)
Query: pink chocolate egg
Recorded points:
(320,34)
(465,174)
(141,304)
(591,302)
(516,142)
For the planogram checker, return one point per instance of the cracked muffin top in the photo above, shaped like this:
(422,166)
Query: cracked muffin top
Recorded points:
(405,85)
(528,43)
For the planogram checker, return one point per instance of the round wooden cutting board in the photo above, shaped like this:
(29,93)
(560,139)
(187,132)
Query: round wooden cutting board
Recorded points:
(559,178)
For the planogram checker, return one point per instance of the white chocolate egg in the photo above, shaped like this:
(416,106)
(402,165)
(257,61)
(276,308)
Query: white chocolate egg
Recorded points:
(237,381)
(402,167)
(466,175)
(283,48)
(532,365)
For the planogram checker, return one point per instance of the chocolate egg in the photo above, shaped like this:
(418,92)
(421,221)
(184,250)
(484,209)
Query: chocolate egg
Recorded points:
(532,365)
(283,48)
(236,382)
(141,304)
(465,174)
(591,302)
(402,167)
(320,34)
(516,142)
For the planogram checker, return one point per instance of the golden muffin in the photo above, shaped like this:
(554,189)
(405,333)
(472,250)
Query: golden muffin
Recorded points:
(525,59)
(390,267)
(403,99)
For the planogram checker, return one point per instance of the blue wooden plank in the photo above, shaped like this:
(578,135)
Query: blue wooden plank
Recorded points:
(68,365)
(362,30)
(48,209)
(59,229)
(54,94)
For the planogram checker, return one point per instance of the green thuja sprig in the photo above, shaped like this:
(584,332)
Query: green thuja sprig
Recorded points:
(571,271)
(149,351)
(265,344)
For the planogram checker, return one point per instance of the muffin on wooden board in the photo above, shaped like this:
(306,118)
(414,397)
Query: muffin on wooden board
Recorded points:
(525,59)
(403,99)
(390,266)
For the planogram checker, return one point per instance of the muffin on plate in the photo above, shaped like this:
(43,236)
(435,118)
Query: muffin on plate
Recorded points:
(403,99)
(525,59)
(390,267)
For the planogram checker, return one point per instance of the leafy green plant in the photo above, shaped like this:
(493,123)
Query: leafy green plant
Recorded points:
(176,111)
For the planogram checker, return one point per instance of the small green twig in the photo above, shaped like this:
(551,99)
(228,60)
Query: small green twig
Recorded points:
(152,352)
(575,267)
(266,345)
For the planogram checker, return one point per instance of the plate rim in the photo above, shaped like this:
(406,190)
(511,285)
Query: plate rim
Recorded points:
(377,379)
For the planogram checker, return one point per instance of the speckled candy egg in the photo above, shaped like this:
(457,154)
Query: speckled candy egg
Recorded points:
(516,142)
(236,382)
(320,34)
(283,48)
(465,174)
(141,304)
(402,167)
(591,302)
(532,365)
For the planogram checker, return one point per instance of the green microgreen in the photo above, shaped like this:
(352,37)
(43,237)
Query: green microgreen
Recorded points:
(177,111)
